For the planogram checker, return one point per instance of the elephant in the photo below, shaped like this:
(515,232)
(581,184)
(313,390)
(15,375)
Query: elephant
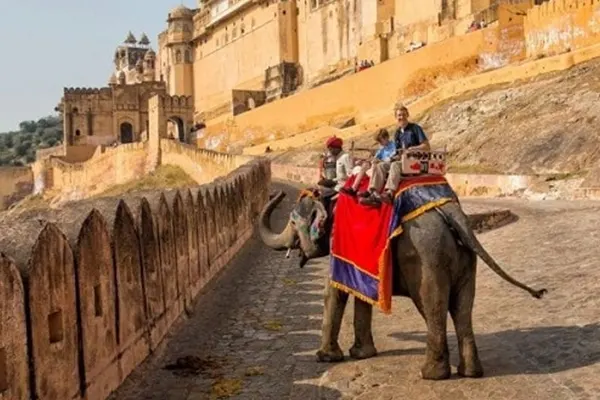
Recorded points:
(435,265)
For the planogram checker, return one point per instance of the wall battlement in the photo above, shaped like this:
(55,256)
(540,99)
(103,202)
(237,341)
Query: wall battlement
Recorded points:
(87,91)
(177,102)
(558,26)
(557,7)
(90,290)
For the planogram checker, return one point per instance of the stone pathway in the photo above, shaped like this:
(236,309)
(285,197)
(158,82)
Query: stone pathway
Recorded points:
(255,331)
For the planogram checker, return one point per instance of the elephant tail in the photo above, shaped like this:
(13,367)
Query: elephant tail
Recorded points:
(458,221)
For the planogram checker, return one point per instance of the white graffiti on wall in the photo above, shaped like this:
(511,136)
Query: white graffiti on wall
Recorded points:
(560,36)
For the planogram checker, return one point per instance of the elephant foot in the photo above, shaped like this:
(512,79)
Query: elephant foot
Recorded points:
(363,352)
(330,355)
(435,371)
(470,370)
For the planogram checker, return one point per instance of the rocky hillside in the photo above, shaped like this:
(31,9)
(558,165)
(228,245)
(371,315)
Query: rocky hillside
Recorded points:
(547,125)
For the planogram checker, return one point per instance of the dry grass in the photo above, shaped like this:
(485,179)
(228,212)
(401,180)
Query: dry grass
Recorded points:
(223,388)
(273,326)
(165,177)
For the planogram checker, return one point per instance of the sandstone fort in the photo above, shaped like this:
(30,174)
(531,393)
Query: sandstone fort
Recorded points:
(92,287)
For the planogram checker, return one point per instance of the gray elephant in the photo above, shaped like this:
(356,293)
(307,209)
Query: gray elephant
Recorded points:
(435,265)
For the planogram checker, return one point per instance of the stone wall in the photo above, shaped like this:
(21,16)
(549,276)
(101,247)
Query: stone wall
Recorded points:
(510,73)
(361,95)
(107,167)
(200,164)
(41,154)
(15,184)
(87,292)
(463,184)
(558,26)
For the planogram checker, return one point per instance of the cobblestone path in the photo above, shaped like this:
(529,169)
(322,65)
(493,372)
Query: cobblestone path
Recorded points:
(256,329)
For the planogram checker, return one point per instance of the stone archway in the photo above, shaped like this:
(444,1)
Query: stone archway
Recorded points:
(126,132)
(176,129)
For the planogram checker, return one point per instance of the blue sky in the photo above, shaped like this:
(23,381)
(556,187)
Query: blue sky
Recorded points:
(47,45)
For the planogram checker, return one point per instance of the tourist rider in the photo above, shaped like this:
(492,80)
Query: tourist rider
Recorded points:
(408,136)
(387,150)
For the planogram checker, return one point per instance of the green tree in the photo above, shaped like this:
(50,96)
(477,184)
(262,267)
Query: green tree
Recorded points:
(28,126)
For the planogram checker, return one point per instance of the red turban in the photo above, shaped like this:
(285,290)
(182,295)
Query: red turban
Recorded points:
(335,142)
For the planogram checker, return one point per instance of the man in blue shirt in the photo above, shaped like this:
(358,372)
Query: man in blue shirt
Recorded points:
(408,136)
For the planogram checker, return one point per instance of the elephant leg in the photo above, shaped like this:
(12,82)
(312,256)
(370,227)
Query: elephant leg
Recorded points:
(461,308)
(434,295)
(335,303)
(363,336)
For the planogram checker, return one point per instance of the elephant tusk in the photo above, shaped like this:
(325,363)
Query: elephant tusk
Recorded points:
(289,251)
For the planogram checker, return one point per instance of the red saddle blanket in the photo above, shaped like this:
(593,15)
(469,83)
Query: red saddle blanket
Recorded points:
(361,259)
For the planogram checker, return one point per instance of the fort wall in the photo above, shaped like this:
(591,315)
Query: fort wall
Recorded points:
(559,26)
(90,290)
(15,184)
(421,105)
(362,95)
(107,167)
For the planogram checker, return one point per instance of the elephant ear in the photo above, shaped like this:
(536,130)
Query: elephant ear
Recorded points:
(317,228)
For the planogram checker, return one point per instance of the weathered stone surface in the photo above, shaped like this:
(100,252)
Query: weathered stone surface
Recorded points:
(256,329)
(13,333)
(94,286)
(98,305)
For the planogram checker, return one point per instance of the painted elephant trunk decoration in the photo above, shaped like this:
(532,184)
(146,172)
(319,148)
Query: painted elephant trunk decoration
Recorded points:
(276,241)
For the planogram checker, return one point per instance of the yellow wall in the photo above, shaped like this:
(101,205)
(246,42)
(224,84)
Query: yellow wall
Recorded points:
(107,167)
(228,59)
(328,38)
(510,73)
(561,25)
(362,94)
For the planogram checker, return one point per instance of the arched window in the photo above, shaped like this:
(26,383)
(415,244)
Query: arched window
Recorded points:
(188,56)
(178,56)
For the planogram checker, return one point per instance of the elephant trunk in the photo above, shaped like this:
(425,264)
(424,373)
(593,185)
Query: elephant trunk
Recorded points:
(277,241)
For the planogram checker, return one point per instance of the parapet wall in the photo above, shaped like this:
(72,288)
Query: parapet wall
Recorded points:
(558,26)
(87,292)
(200,164)
(107,167)
(15,184)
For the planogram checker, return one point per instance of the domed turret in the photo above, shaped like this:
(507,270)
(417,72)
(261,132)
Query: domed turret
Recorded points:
(181,12)
(112,80)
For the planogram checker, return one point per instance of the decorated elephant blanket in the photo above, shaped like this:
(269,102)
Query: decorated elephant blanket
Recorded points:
(361,256)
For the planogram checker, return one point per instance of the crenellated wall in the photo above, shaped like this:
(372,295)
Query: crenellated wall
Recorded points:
(107,167)
(110,166)
(558,26)
(88,291)
(200,164)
